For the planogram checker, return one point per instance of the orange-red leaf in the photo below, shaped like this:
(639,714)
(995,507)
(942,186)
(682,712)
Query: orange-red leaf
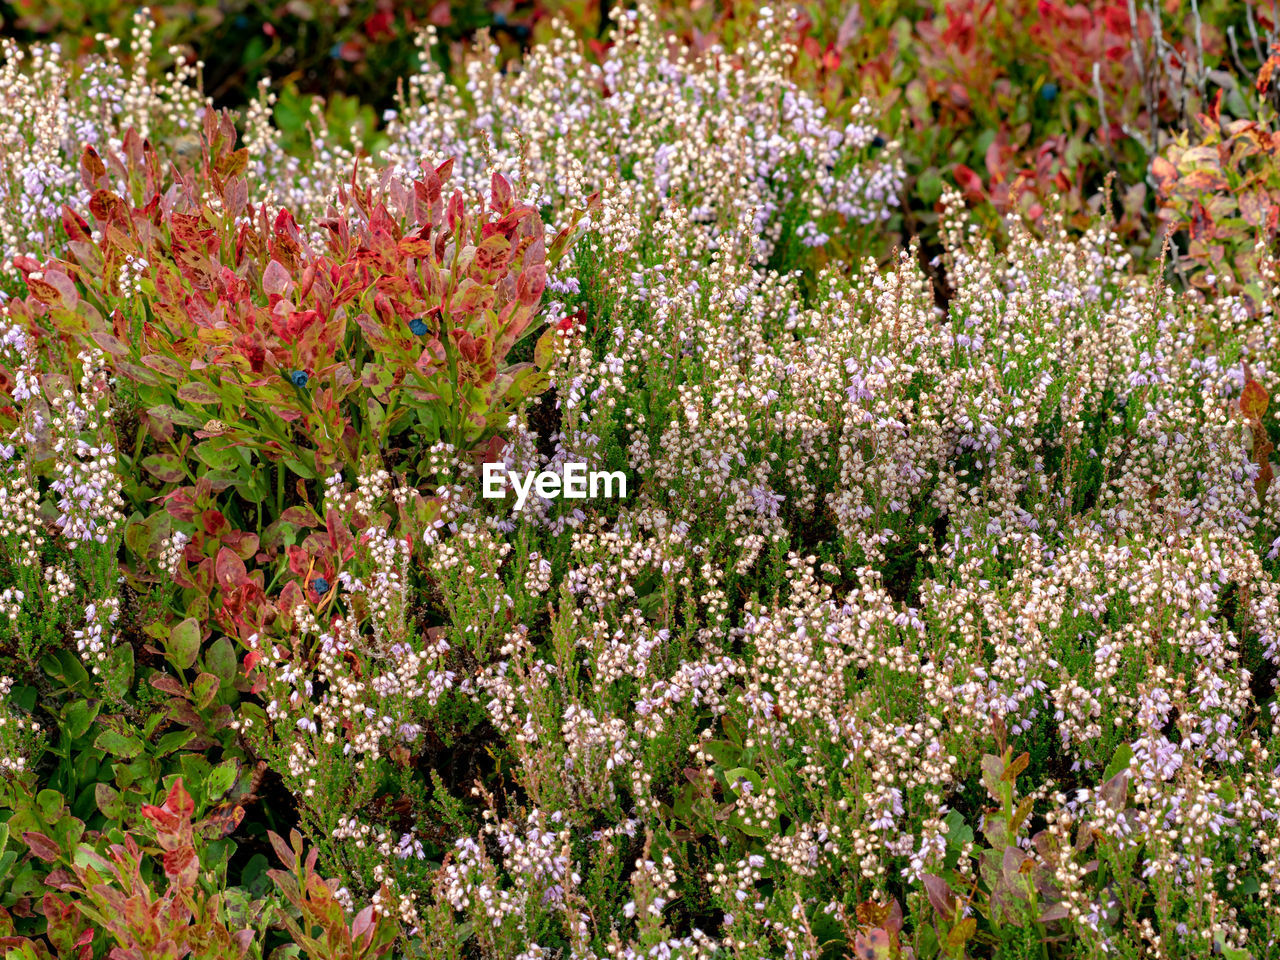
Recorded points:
(1253,401)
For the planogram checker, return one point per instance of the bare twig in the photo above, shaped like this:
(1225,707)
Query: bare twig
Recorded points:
(1253,31)
(1157,30)
(1102,112)
(1235,50)
(1161,61)
(1200,72)
(1140,66)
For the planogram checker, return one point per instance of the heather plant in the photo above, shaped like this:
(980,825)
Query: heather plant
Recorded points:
(62,506)
(813,517)
(718,131)
(53,105)
(714,129)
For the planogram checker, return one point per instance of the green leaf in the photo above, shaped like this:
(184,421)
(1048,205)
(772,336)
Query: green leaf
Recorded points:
(929,186)
(65,667)
(23,697)
(255,489)
(220,455)
(254,875)
(51,804)
(195,771)
(184,643)
(220,660)
(1230,953)
(1119,761)
(165,467)
(173,741)
(198,393)
(300,468)
(138,374)
(544,350)
(683,806)
(119,744)
(206,688)
(152,722)
(221,779)
(109,801)
(725,754)
(961,932)
(79,716)
(144,536)
(732,731)
(165,413)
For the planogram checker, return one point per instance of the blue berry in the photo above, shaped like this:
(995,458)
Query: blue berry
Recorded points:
(1049,92)
(298,378)
(418,327)
(320,585)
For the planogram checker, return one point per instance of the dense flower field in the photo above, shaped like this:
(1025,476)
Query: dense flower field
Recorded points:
(940,618)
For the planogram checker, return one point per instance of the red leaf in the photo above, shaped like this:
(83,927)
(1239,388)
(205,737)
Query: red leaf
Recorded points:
(1166,173)
(93,172)
(381,24)
(276,279)
(940,896)
(1264,75)
(77,227)
(970,183)
(501,199)
(363,923)
(531,283)
(286,855)
(42,846)
(456,212)
(1116,17)
(1266,473)
(1253,401)
(163,819)
(181,866)
(179,801)
(167,684)
(1215,108)
(229,569)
